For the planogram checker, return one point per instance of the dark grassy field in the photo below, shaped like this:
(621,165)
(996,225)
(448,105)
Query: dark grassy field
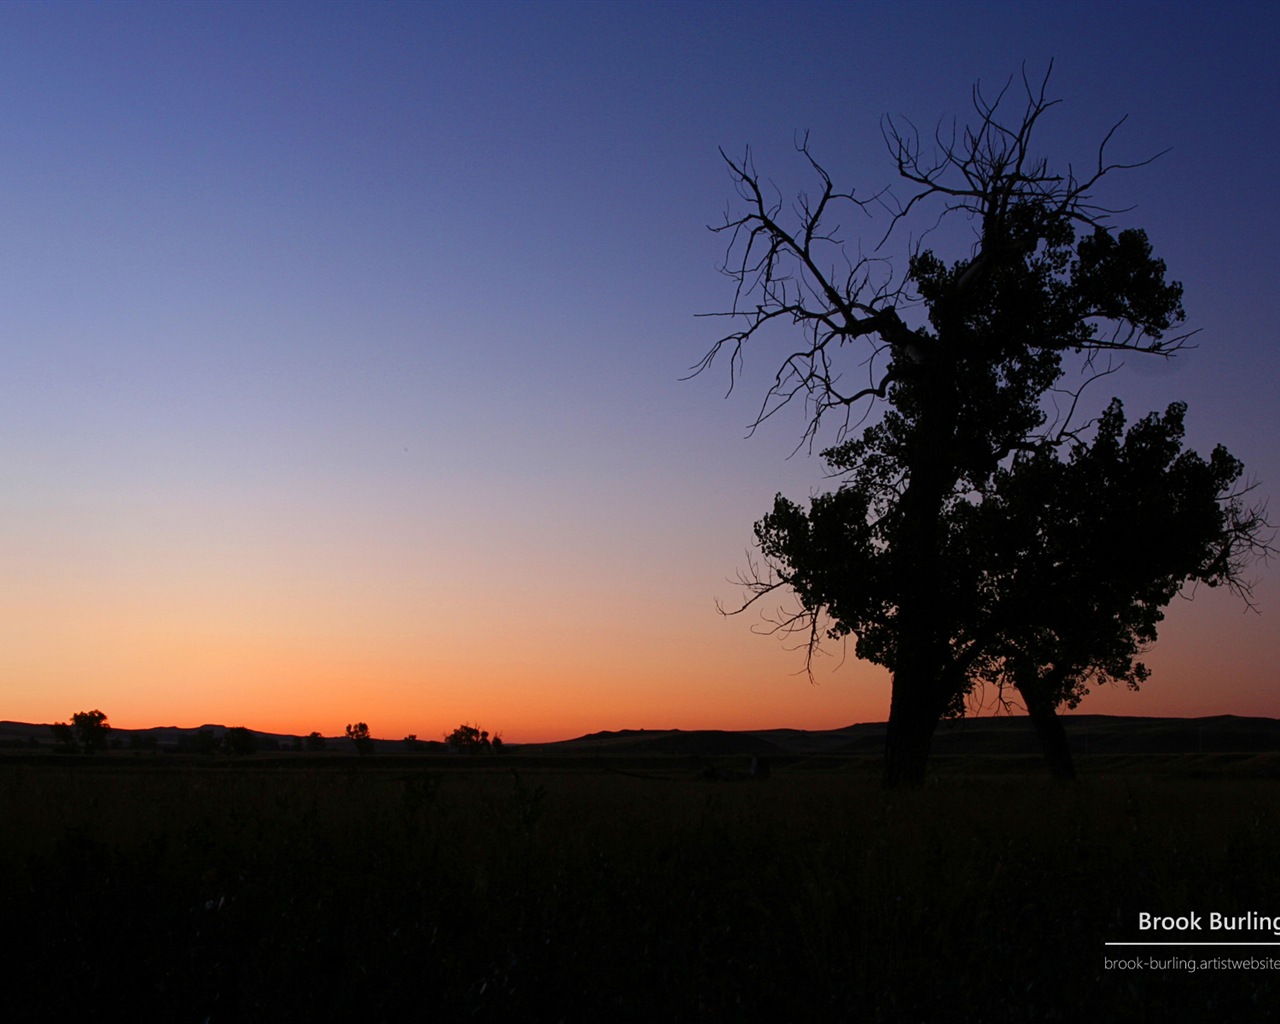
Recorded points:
(595,888)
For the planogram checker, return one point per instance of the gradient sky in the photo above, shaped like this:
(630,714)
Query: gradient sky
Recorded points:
(342,344)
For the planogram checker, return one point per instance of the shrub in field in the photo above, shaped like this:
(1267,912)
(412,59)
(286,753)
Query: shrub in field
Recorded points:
(315,743)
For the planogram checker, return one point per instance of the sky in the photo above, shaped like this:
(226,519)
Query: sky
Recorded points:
(342,345)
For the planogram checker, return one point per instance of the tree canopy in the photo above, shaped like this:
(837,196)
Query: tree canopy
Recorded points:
(1055,578)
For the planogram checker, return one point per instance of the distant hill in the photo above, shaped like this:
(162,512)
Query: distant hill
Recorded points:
(1006,734)
(193,739)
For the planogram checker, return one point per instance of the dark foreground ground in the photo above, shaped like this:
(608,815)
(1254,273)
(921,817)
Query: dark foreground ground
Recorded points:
(620,889)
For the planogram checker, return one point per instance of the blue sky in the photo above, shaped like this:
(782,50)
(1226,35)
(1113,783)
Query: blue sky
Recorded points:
(342,343)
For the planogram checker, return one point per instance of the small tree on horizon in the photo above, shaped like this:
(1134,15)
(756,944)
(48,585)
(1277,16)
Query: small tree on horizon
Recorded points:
(91,730)
(359,734)
(468,739)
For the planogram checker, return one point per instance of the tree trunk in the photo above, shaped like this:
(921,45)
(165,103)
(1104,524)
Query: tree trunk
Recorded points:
(1053,737)
(912,720)
(924,627)
(922,689)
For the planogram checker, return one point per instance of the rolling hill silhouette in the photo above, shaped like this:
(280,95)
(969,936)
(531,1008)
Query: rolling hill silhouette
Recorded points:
(1087,734)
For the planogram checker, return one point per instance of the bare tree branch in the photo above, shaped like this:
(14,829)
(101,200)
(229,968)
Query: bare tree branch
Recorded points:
(790,266)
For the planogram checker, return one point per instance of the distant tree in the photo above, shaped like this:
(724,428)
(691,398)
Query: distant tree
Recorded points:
(412,743)
(315,743)
(359,734)
(497,744)
(239,740)
(91,730)
(468,739)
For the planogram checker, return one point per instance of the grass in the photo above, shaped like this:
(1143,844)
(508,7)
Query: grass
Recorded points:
(581,890)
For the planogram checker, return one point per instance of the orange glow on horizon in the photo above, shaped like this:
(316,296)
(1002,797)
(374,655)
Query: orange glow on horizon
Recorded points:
(529,694)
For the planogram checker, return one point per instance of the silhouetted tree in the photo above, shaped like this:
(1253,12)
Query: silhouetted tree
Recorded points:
(963,356)
(411,743)
(1061,572)
(1081,555)
(359,734)
(468,739)
(315,743)
(91,730)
